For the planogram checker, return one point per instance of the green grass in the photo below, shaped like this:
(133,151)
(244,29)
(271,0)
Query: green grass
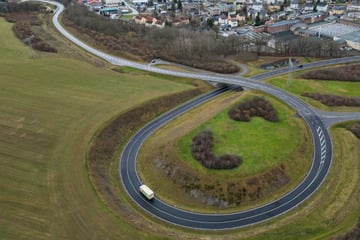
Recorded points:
(335,207)
(297,86)
(50,109)
(250,140)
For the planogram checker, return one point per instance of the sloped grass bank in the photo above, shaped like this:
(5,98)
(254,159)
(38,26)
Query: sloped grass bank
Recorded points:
(297,85)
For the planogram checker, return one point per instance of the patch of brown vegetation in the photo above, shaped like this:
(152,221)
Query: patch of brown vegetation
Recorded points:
(24,17)
(334,100)
(343,73)
(355,129)
(201,149)
(229,193)
(258,106)
(352,235)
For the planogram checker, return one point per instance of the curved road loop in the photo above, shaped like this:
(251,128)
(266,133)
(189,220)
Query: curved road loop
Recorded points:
(317,121)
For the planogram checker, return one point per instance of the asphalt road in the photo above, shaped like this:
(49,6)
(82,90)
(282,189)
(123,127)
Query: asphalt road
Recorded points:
(131,181)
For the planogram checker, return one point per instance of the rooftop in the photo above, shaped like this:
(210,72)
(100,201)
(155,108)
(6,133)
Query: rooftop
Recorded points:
(354,36)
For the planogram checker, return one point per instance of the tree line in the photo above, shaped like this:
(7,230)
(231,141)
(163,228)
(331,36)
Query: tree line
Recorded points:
(187,45)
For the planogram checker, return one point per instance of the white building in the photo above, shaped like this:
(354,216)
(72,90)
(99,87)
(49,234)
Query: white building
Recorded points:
(257,6)
(353,7)
(112,3)
(294,4)
(322,7)
(139,2)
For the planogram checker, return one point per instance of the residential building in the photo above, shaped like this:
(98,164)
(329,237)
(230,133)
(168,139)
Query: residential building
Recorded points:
(112,3)
(294,4)
(233,22)
(353,7)
(214,11)
(222,19)
(338,10)
(309,7)
(257,6)
(281,26)
(313,17)
(322,7)
(352,39)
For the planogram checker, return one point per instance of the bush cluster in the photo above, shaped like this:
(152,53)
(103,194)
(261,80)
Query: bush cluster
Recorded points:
(353,235)
(13,7)
(201,149)
(23,15)
(355,129)
(334,100)
(258,106)
(344,73)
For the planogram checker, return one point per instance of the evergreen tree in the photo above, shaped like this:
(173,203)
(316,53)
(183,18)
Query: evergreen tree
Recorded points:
(179,5)
(257,19)
(173,5)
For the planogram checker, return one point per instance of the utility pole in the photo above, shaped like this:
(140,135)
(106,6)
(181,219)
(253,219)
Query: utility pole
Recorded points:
(289,73)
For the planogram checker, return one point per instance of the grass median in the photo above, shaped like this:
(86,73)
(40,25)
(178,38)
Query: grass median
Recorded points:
(179,179)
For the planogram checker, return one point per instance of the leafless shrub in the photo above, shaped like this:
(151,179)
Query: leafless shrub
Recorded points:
(334,100)
(343,73)
(355,129)
(201,149)
(258,106)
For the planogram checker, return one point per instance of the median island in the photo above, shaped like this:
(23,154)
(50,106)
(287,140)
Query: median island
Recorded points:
(221,158)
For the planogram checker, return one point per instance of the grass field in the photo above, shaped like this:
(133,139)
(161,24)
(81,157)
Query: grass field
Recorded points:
(50,109)
(297,86)
(260,143)
(52,106)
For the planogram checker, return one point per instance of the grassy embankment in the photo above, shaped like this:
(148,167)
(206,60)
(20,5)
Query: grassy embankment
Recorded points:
(51,106)
(298,85)
(335,207)
(254,66)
